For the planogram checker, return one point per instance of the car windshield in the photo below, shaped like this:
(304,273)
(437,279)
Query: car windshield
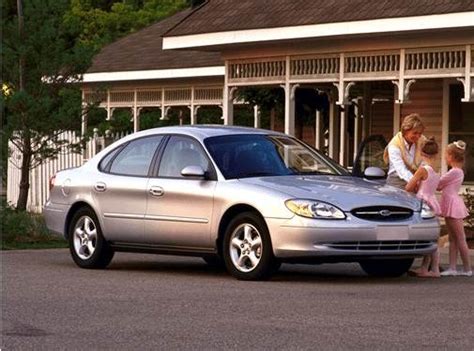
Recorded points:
(258,155)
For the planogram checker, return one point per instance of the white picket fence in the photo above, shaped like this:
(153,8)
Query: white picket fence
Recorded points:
(40,175)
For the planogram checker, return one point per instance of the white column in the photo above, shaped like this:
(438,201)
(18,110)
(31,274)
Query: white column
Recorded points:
(289,111)
(109,110)
(396,113)
(342,135)
(136,125)
(317,132)
(356,126)
(228,106)
(83,120)
(289,101)
(228,99)
(332,127)
(193,110)
(192,115)
(256,116)
(445,125)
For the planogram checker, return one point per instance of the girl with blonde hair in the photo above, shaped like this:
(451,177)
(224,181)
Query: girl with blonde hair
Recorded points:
(454,210)
(424,184)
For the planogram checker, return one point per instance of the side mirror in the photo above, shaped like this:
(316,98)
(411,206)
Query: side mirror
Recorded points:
(193,172)
(374,173)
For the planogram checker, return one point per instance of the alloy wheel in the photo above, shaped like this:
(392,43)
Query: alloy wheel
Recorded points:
(85,237)
(245,247)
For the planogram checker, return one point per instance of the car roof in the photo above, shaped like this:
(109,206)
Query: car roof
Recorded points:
(203,131)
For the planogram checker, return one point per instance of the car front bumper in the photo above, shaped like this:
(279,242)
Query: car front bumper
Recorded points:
(352,238)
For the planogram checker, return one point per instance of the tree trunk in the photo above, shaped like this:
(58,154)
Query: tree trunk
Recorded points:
(25,173)
(26,139)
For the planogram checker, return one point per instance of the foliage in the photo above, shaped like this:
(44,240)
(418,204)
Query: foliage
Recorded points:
(55,46)
(97,22)
(469,201)
(23,230)
(266,98)
(42,62)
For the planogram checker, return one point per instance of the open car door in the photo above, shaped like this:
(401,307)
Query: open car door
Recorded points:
(370,154)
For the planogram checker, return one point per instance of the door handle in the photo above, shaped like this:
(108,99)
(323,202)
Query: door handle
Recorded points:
(100,186)
(156,191)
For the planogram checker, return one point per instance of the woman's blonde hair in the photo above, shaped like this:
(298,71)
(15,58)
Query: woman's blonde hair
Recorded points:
(457,150)
(412,121)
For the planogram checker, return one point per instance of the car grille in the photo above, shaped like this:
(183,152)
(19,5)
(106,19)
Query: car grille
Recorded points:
(383,213)
(380,245)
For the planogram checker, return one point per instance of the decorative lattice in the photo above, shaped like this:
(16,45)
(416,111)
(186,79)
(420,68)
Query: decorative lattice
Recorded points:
(208,94)
(435,60)
(121,97)
(372,63)
(177,95)
(314,66)
(149,97)
(261,69)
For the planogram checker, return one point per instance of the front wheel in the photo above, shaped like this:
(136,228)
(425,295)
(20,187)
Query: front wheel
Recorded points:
(386,267)
(86,243)
(247,251)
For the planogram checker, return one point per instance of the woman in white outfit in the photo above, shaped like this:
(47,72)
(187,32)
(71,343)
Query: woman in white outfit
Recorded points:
(403,153)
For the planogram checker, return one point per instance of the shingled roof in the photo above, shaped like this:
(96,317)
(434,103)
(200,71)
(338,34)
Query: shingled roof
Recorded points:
(143,51)
(230,15)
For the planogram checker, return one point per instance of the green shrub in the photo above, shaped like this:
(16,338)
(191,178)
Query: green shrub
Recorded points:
(23,230)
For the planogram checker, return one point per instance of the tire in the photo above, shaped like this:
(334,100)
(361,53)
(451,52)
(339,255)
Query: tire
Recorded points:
(86,243)
(386,268)
(247,250)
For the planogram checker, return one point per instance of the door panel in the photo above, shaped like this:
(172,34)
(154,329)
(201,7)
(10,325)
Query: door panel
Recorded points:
(121,189)
(181,214)
(122,206)
(179,208)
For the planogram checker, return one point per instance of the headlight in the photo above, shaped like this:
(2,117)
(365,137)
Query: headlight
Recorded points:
(426,211)
(314,209)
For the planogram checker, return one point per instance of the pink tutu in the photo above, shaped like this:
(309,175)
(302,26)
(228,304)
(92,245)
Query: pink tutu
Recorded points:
(452,205)
(428,188)
(432,201)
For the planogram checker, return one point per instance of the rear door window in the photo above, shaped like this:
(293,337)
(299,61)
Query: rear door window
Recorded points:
(135,158)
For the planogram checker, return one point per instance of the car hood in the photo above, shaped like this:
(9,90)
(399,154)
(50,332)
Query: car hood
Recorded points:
(344,192)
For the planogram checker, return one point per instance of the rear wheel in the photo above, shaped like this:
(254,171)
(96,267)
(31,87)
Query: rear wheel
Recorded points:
(386,268)
(86,243)
(247,251)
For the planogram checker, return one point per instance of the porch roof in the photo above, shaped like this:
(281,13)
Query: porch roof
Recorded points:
(230,15)
(221,22)
(142,52)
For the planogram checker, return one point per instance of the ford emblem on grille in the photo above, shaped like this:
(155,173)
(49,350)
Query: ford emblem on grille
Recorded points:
(385,213)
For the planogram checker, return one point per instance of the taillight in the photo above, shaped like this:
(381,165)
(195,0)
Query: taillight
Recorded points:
(51,182)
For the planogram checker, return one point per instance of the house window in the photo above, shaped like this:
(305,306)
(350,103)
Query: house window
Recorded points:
(461,126)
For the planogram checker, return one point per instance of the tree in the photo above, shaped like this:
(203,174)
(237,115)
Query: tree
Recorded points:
(99,22)
(47,45)
(41,62)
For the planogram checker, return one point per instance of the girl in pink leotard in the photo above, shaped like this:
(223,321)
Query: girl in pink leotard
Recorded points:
(454,210)
(424,183)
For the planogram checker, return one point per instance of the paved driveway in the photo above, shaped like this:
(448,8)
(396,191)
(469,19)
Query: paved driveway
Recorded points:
(160,302)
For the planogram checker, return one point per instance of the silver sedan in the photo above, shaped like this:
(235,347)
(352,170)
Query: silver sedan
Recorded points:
(244,198)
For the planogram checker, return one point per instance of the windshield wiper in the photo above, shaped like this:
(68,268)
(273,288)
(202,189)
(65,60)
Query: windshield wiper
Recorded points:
(313,173)
(257,174)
